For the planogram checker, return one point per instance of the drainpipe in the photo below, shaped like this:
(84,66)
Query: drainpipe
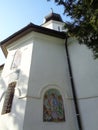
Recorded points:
(73,88)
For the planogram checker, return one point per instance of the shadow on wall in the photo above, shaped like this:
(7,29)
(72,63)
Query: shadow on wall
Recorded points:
(14,119)
(2,88)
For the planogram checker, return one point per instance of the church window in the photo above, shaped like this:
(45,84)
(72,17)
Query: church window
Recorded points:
(53,108)
(16,59)
(9,98)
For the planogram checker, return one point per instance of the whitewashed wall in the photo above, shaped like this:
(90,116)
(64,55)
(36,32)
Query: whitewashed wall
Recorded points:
(14,120)
(43,65)
(85,74)
(49,69)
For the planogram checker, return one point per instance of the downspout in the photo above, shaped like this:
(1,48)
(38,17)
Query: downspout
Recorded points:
(73,88)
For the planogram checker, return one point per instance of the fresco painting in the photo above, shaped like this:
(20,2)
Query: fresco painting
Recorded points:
(53,109)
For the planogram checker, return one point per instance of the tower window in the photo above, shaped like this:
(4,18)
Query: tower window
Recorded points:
(9,98)
(53,109)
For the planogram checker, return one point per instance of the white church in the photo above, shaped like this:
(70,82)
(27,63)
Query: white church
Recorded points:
(49,81)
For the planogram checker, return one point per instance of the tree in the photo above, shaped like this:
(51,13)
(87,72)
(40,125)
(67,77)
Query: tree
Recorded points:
(84,24)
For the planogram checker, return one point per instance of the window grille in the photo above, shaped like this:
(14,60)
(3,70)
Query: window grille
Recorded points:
(9,98)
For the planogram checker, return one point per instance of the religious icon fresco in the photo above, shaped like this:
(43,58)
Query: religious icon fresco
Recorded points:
(16,60)
(53,108)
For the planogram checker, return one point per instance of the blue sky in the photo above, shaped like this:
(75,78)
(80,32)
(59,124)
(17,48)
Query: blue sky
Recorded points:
(15,14)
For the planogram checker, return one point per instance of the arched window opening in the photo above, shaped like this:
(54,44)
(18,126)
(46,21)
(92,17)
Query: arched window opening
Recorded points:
(16,59)
(53,108)
(9,98)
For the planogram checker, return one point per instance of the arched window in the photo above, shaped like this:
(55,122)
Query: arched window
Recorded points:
(53,108)
(9,98)
(16,59)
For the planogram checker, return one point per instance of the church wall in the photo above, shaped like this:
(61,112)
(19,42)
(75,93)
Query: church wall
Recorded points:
(43,65)
(85,75)
(20,74)
(34,116)
(49,69)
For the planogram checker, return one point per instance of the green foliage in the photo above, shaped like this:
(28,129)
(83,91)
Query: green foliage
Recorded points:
(84,25)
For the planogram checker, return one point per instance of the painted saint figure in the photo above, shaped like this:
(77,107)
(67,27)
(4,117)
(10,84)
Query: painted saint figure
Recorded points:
(53,109)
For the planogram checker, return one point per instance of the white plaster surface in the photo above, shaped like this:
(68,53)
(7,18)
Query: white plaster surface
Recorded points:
(14,120)
(49,69)
(85,75)
(43,66)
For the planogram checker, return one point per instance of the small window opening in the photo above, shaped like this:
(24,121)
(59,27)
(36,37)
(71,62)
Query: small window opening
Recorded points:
(9,98)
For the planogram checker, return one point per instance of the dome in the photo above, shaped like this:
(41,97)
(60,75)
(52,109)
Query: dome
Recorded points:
(53,16)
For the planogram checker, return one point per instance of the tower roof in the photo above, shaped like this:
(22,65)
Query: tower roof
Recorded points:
(53,16)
